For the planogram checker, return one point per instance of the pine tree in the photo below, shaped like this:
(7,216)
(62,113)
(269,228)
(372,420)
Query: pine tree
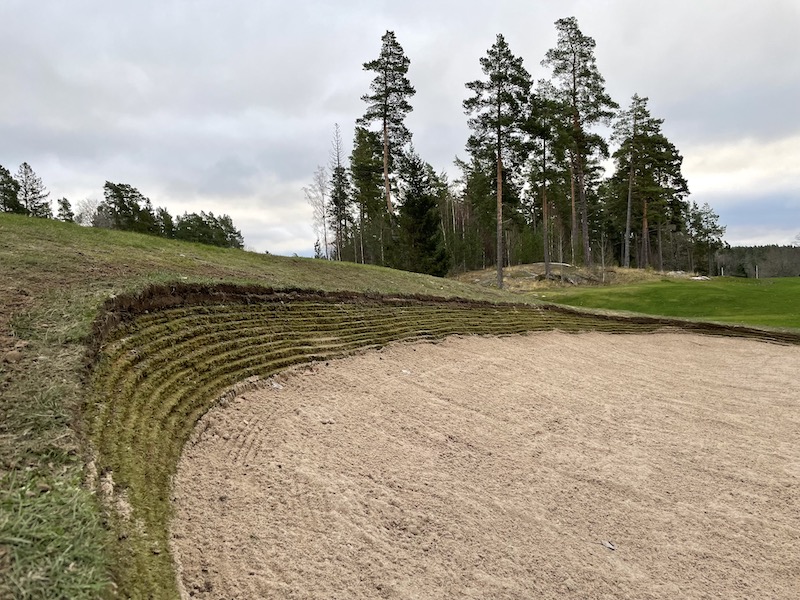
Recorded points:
(632,128)
(496,120)
(165,224)
(65,211)
(9,193)
(672,190)
(32,193)
(208,229)
(231,237)
(366,176)
(583,89)
(650,167)
(545,125)
(124,206)
(388,103)
(147,222)
(421,248)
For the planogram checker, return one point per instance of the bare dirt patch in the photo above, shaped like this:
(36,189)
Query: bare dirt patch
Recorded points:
(548,465)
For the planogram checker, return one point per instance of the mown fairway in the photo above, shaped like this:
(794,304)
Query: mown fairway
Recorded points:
(113,344)
(767,302)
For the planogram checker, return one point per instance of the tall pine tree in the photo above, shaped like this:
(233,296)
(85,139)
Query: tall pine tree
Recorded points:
(496,118)
(388,103)
(654,187)
(583,89)
(545,125)
(632,129)
(366,175)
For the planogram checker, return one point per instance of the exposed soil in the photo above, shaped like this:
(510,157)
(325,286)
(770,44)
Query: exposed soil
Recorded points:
(547,465)
(532,277)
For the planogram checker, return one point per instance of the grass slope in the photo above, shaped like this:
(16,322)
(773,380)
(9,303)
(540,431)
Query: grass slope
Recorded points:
(159,359)
(765,302)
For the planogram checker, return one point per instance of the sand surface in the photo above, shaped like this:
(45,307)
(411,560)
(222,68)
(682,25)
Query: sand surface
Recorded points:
(539,466)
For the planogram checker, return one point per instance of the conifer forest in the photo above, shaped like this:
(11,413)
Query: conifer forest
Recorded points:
(532,184)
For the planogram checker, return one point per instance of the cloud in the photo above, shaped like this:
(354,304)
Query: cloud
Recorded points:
(760,235)
(758,218)
(722,61)
(732,171)
(230,106)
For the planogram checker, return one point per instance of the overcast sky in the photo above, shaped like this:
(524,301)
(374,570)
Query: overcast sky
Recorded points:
(230,106)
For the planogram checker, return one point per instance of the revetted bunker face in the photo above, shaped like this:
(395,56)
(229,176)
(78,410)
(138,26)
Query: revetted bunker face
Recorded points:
(160,359)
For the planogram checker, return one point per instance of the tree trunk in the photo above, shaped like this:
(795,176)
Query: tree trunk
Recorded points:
(453,211)
(361,231)
(603,253)
(499,199)
(627,251)
(660,249)
(325,231)
(499,218)
(574,223)
(339,240)
(582,204)
(383,256)
(710,261)
(386,167)
(545,215)
(630,200)
(645,238)
(561,247)
(587,250)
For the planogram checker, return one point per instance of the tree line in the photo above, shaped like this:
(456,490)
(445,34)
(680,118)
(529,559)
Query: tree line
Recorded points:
(123,207)
(531,187)
(760,261)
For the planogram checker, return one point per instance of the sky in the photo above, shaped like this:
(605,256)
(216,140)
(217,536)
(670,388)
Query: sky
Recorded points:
(229,107)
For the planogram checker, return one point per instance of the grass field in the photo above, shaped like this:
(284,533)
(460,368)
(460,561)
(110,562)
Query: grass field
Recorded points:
(766,302)
(122,398)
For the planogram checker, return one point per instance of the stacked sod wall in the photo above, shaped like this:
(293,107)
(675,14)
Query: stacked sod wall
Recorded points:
(161,359)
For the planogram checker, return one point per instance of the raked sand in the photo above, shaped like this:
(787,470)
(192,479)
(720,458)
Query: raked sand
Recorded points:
(539,466)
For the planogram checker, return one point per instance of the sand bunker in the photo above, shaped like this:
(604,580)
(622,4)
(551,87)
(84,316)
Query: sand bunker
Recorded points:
(547,465)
